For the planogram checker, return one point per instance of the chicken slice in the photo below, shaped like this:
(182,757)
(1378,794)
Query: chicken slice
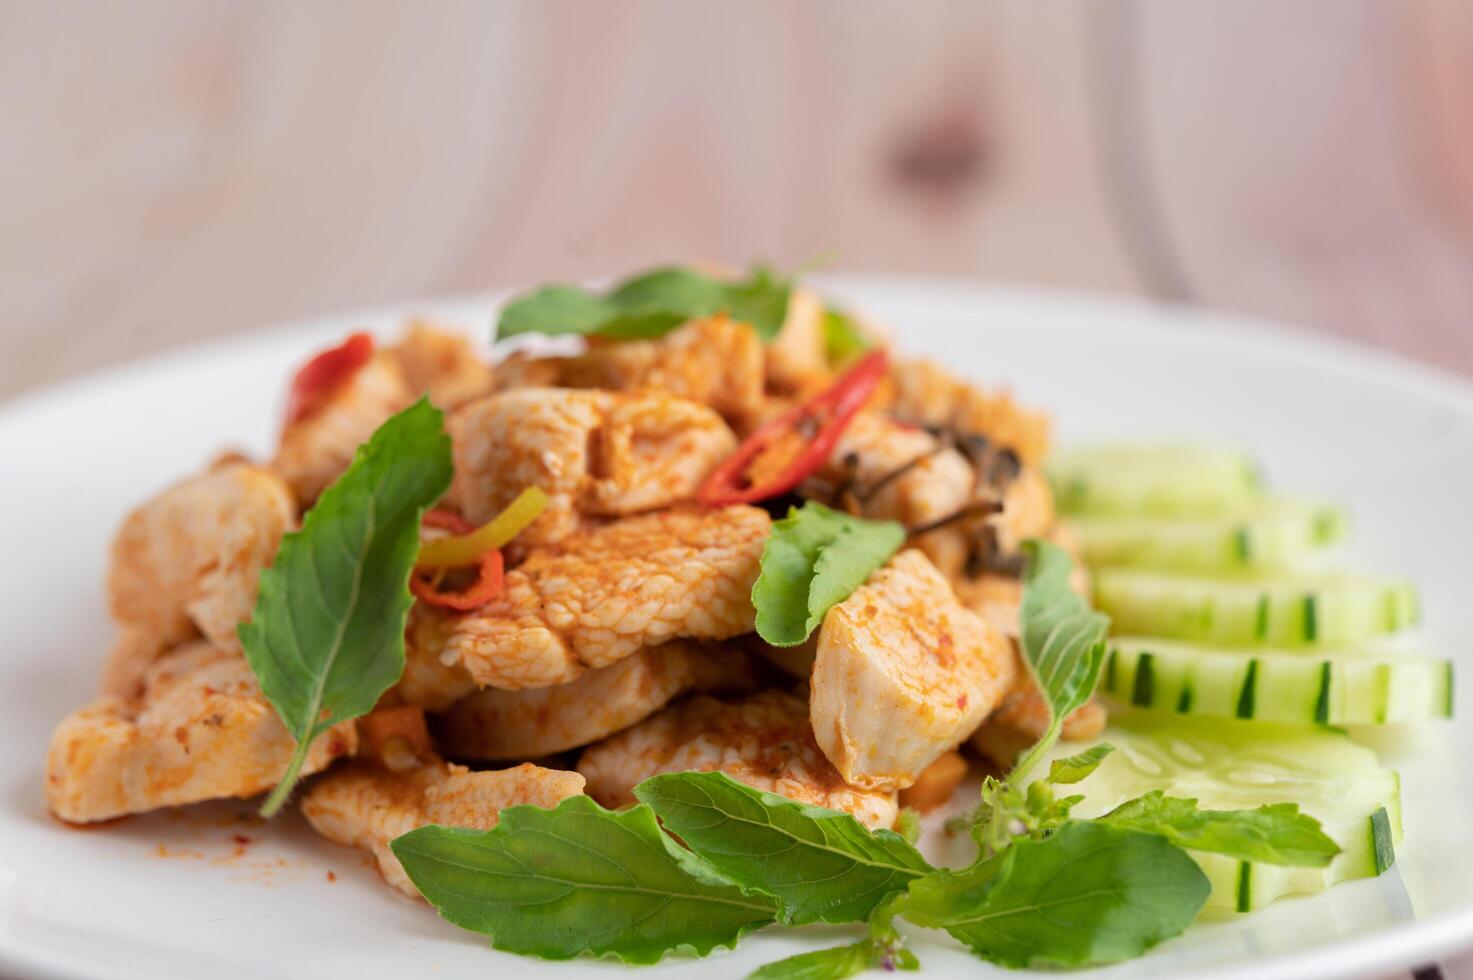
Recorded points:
(714,361)
(200,730)
(927,394)
(764,741)
(316,449)
(433,677)
(593,452)
(602,593)
(904,673)
(186,564)
(493,724)
(797,358)
(441,364)
(366,805)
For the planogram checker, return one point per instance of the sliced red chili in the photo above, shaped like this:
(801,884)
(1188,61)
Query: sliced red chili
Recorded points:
(487,585)
(811,429)
(490,573)
(324,374)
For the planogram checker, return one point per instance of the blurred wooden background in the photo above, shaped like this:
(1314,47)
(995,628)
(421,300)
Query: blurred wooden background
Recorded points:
(176,170)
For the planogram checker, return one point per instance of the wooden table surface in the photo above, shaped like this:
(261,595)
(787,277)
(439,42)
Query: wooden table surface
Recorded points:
(172,170)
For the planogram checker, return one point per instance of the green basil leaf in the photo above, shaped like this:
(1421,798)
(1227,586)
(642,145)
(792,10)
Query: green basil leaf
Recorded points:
(814,558)
(1087,894)
(821,964)
(1074,768)
(578,880)
(326,637)
(1273,834)
(649,305)
(1063,640)
(821,865)
(841,338)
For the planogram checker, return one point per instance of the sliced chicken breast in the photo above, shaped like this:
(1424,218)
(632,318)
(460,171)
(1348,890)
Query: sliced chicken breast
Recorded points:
(904,673)
(529,724)
(764,741)
(603,593)
(593,452)
(441,364)
(366,805)
(200,730)
(187,562)
(315,450)
(714,361)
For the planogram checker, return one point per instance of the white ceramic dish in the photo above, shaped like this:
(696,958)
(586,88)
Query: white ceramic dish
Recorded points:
(206,892)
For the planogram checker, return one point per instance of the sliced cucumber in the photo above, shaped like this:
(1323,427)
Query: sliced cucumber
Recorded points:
(1283,610)
(1351,688)
(1158,480)
(1230,765)
(1266,534)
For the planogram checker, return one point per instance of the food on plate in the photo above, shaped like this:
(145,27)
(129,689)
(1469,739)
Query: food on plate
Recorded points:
(765,741)
(701,624)
(199,729)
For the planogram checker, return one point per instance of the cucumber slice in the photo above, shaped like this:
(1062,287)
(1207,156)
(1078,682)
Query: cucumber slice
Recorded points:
(1352,688)
(1230,765)
(1158,480)
(1277,610)
(1266,534)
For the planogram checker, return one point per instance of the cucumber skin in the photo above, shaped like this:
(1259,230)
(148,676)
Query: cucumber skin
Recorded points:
(1262,536)
(1153,479)
(1277,686)
(1269,611)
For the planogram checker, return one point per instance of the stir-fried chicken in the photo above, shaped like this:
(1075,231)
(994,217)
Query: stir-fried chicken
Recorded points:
(927,394)
(796,357)
(888,470)
(366,805)
(764,741)
(593,452)
(186,563)
(713,361)
(904,673)
(602,593)
(442,365)
(200,730)
(315,450)
(529,724)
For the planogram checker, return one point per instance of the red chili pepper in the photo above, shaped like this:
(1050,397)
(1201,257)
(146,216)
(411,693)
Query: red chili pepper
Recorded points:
(425,585)
(316,380)
(817,424)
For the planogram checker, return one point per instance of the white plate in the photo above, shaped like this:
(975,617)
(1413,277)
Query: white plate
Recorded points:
(176,895)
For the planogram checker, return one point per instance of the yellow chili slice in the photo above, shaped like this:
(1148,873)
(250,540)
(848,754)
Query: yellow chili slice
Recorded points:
(467,549)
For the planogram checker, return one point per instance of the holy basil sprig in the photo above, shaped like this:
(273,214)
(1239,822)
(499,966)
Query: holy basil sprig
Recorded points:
(1063,641)
(812,561)
(820,865)
(579,880)
(650,304)
(326,637)
(1274,834)
(1088,893)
